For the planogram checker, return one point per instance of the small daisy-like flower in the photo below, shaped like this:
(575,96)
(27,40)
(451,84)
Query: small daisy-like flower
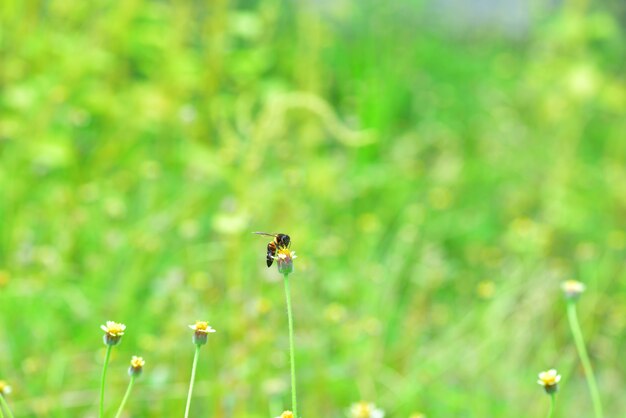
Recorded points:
(549,380)
(572,289)
(284,260)
(286,414)
(5,389)
(365,410)
(201,332)
(113,332)
(136,366)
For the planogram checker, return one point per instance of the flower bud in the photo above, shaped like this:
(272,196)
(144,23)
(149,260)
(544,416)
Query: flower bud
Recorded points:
(136,366)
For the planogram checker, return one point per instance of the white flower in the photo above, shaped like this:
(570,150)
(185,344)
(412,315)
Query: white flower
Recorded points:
(549,380)
(201,332)
(113,329)
(365,410)
(5,389)
(572,288)
(113,332)
(202,327)
(284,259)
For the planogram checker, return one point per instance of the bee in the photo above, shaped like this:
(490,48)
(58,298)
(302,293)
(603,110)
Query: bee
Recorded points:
(279,241)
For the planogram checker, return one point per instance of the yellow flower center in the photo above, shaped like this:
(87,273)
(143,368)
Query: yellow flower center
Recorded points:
(285,252)
(361,410)
(114,329)
(137,362)
(549,380)
(5,389)
(202,326)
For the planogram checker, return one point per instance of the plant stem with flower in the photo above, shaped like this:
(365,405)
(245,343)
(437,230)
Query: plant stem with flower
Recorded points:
(5,389)
(550,381)
(113,333)
(200,338)
(284,260)
(135,370)
(572,290)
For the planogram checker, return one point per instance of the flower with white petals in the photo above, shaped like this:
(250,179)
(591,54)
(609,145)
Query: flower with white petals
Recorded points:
(5,389)
(201,332)
(113,332)
(286,414)
(284,260)
(365,410)
(572,289)
(549,380)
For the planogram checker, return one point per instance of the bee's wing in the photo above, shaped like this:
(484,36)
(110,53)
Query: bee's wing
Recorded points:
(265,233)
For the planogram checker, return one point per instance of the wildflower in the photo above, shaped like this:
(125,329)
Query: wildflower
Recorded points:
(549,380)
(365,410)
(113,332)
(136,366)
(572,289)
(284,259)
(286,414)
(201,332)
(135,369)
(112,335)
(200,336)
(5,389)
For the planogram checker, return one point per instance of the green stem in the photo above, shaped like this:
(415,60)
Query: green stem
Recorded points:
(193,377)
(5,405)
(126,395)
(584,357)
(294,402)
(552,402)
(107,356)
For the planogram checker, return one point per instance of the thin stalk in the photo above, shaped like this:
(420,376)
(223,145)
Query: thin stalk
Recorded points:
(193,378)
(294,401)
(5,405)
(552,402)
(107,356)
(126,395)
(584,357)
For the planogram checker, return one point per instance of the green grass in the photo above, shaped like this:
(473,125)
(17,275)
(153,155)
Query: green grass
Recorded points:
(437,188)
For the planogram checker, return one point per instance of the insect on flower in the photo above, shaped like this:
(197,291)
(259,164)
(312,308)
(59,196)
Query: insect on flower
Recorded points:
(280,241)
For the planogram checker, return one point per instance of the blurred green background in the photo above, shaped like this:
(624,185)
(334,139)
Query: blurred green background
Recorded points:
(438,178)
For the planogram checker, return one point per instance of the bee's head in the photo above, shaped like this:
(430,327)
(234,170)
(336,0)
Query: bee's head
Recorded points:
(283,240)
